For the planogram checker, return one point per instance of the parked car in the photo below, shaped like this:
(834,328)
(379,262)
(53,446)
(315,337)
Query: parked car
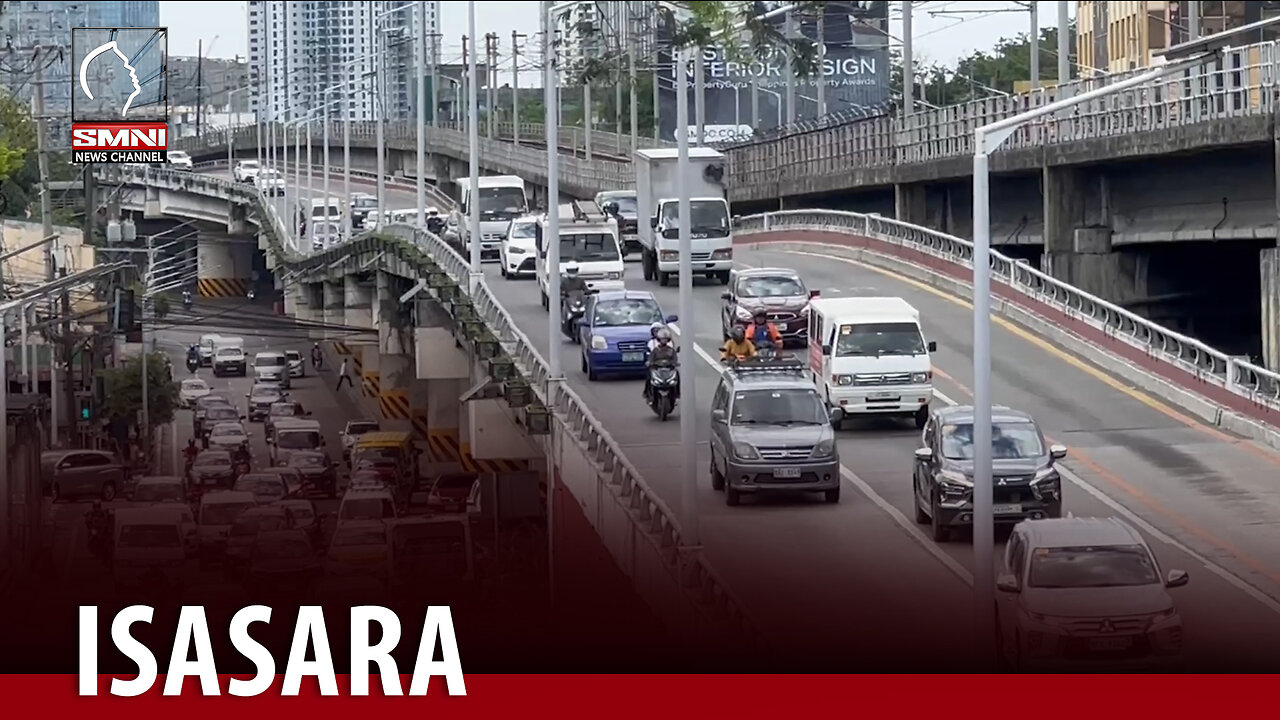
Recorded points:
(74,474)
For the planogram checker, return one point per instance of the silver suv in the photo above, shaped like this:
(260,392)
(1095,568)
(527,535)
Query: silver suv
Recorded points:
(771,432)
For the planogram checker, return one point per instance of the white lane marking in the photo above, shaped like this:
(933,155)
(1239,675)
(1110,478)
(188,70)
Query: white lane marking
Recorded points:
(863,487)
(1231,578)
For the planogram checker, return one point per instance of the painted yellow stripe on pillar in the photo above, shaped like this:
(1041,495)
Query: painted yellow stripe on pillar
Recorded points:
(222,287)
(394,404)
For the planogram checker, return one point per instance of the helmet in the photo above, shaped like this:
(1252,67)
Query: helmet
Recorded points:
(760,315)
(571,270)
(663,334)
(654,328)
(738,333)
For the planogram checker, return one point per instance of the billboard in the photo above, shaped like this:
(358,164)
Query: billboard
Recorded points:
(855,70)
(119,95)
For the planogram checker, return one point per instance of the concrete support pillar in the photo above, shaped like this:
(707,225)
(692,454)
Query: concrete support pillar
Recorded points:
(334,295)
(396,377)
(419,408)
(910,203)
(443,418)
(1269,266)
(237,219)
(389,316)
(1064,194)
(358,299)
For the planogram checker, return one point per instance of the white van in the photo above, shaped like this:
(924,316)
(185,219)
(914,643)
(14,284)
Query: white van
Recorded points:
(588,242)
(292,434)
(271,367)
(502,199)
(322,209)
(868,356)
(149,546)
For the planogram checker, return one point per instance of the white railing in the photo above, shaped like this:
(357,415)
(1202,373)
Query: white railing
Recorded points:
(1245,379)
(710,603)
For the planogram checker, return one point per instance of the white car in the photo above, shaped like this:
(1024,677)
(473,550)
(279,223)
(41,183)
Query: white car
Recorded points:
(269,182)
(246,170)
(228,436)
(517,255)
(297,366)
(192,389)
(179,160)
(319,233)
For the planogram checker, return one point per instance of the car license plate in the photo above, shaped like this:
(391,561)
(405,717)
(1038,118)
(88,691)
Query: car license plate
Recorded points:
(882,396)
(786,472)
(1008,509)
(1110,644)
(782,327)
(630,357)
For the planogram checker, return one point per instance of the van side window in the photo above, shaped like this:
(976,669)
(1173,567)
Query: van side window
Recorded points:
(815,326)
(722,395)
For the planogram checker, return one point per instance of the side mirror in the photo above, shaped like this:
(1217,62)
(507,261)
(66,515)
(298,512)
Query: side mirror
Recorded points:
(814,293)
(726,295)
(826,350)
(653,221)
(1057,452)
(1007,583)
(837,414)
(672,318)
(924,454)
(933,346)
(717,416)
(1177,578)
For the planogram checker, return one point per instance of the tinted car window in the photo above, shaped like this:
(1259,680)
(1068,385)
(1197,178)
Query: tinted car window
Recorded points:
(1091,567)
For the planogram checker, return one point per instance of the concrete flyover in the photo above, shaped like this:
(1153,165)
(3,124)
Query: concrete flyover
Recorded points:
(1164,431)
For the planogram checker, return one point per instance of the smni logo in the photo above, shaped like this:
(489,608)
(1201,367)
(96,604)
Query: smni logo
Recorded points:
(114,47)
(120,95)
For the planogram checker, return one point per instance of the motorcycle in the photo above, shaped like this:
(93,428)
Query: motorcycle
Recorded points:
(317,360)
(186,300)
(193,363)
(574,308)
(664,382)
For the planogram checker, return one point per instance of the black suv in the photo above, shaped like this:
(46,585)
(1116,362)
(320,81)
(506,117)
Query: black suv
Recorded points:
(1027,484)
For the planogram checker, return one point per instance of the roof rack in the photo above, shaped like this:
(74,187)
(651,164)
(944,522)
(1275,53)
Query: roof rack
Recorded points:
(761,365)
(588,211)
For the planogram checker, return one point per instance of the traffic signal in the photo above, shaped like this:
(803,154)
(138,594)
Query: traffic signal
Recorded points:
(125,304)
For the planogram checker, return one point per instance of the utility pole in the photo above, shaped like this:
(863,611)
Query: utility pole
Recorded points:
(515,86)
(466,76)
(789,24)
(145,430)
(1035,46)
(435,76)
(420,132)
(634,106)
(908,62)
(822,54)
(1064,47)
(46,219)
(199,83)
(657,89)
(699,97)
(490,60)
(617,88)
(1193,20)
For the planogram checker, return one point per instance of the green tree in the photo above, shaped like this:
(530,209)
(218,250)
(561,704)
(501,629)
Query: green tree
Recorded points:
(124,389)
(17,135)
(985,73)
(160,306)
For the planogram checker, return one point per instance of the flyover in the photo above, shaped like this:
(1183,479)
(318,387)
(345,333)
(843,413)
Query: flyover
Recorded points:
(1159,198)
(1157,423)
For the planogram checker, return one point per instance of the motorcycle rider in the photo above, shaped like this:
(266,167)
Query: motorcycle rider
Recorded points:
(572,288)
(193,355)
(764,333)
(653,335)
(317,357)
(190,452)
(186,298)
(737,347)
(662,351)
(252,294)
(240,460)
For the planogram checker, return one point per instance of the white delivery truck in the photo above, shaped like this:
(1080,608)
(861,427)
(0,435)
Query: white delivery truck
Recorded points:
(588,242)
(868,356)
(709,225)
(501,199)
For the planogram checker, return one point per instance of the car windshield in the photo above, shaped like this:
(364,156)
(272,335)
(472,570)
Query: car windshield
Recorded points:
(222,513)
(178,155)
(275,549)
(631,311)
(502,203)
(360,428)
(209,401)
(157,492)
(1092,567)
(588,248)
(230,353)
(213,460)
(297,440)
(226,431)
(283,410)
(374,508)
(306,460)
(269,361)
(248,524)
(626,203)
(1009,441)
(250,164)
(800,406)
(302,514)
(222,411)
(150,536)
(877,339)
(378,456)
(260,485)
(366,203)
(194,385)
(524,230)
(269,174)
(354,536)
(705,216)
(775,286)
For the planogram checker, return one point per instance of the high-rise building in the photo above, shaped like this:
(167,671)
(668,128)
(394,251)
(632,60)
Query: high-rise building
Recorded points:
(1118,36)
(36,35)
(304,55)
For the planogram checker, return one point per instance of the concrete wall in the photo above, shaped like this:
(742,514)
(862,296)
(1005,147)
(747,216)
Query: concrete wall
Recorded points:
(226,267)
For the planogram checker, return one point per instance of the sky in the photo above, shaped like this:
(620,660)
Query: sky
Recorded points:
(940,36)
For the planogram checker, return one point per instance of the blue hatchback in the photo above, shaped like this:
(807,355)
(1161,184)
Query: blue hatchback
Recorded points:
(614,331)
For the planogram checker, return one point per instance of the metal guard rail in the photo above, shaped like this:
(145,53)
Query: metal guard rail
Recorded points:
(434,193)
(709,594)
(1243,378)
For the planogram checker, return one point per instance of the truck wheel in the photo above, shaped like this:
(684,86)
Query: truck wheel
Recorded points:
(941,533)
(647,265)
(922,417)
(717,478)
(732,497)
(664,279)
(723,275)
(832,496)
(546,302)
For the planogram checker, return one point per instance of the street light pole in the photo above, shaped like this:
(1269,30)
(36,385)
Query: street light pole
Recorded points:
(1035,46)
(699,98)
(378,113)
(791,73)
(551,241)
(325,185)
(688,420)
(473,131)
(420,131)
(822,55)
(1064,48)
(908,61)
(515,87)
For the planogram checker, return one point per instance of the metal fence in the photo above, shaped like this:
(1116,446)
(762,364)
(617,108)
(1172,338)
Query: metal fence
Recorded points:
(1243,378)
